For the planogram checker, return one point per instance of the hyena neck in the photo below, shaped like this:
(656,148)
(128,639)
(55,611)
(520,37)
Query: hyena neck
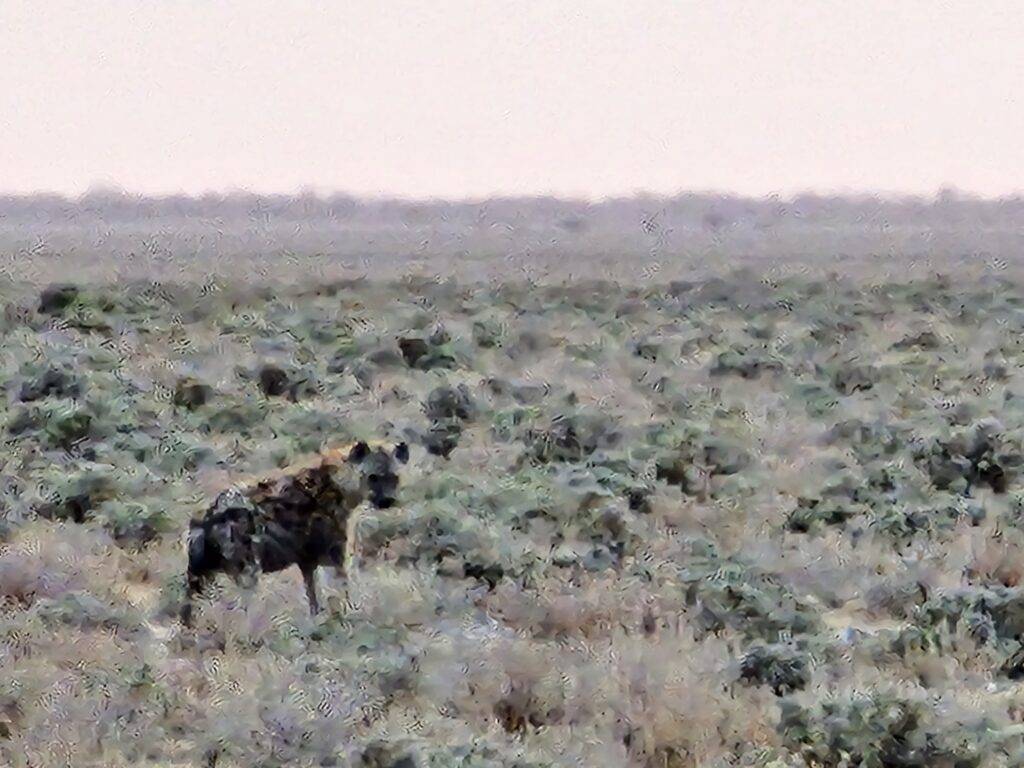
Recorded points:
(348,482)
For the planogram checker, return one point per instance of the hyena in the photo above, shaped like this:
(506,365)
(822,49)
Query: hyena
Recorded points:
(299,515)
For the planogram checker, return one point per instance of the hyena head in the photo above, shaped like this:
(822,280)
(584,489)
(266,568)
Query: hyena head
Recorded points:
(378,471)
(223,541)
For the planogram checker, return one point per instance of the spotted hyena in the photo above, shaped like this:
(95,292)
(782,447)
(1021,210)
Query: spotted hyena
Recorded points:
(299,515)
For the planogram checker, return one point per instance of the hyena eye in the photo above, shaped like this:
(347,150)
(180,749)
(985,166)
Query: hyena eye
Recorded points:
(374,478)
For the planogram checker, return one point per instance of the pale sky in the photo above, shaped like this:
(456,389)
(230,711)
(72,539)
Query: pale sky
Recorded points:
(454,98)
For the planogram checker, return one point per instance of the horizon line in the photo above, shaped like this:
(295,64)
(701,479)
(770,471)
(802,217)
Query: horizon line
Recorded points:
(107,190)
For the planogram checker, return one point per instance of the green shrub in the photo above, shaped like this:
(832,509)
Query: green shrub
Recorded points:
(876,730)
(76,495)
(84,611)
(572,436)
(235,415)
(745,362)
(813,514)
(734,594)
(134,523)
(55,423)
(191,393)
(781,667)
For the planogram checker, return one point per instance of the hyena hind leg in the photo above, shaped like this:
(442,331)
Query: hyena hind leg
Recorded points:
(195,587)
(309,577)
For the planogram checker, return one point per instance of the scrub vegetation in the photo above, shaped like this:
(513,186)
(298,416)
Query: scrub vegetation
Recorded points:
(764,517)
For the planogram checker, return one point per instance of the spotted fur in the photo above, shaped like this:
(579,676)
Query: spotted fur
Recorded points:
(298,515)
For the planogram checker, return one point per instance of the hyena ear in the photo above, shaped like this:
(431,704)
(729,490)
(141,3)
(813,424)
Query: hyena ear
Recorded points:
(359,452)
(402,453)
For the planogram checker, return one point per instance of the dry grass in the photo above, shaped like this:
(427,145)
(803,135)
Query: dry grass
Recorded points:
(611,635)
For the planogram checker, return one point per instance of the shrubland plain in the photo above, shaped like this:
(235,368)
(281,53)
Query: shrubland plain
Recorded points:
(680,506)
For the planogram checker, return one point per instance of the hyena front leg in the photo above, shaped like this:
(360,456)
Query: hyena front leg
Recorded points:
(342,577)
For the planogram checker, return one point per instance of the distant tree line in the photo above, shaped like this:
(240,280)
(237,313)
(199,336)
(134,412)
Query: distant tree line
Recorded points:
(691,210)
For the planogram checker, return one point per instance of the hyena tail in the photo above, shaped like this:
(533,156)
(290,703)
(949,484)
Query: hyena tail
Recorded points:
(194,582)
